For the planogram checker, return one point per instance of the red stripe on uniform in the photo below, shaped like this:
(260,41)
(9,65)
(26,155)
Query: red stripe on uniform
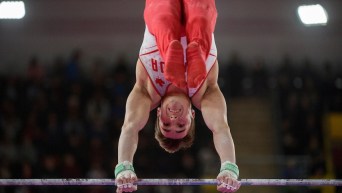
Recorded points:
(149,52)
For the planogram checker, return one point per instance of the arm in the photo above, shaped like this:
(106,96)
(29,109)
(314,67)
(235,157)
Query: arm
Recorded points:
(214,111)
(137,113)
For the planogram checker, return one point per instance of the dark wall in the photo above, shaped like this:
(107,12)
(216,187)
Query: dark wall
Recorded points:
(108,28)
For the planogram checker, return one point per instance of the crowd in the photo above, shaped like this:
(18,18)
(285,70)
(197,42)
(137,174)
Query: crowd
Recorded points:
(304,93)
(57,121)
(306,96)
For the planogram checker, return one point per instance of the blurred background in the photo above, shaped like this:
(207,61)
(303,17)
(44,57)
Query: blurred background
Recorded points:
(67,67)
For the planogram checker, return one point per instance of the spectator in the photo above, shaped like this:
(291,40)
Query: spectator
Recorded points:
(73,67)
(235,75)
(35,72)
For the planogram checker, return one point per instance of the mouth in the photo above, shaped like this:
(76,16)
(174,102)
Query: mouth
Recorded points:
(174,108)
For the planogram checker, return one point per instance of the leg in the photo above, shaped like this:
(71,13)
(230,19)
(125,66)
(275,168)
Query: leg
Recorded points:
(200,18)
(163,19)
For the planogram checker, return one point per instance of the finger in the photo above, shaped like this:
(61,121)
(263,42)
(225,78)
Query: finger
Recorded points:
(220,178)
(127,178)
(118,181)
(225,180)
(131,189)
(128,190)
(239,184)
(221,187)
(134,178)
(126,186)
(125,181)
(235,184)
(135,187)
(225,187)
(122,186)
(129,186)
(229,181)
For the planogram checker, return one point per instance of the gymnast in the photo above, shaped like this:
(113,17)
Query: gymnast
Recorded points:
(177,69)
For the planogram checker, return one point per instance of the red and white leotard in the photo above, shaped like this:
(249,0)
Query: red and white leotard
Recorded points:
(154,65)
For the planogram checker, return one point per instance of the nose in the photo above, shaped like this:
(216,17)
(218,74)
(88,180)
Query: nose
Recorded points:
(173,113)
(173,117)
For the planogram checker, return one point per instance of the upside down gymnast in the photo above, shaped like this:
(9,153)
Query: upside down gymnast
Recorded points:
(177,69)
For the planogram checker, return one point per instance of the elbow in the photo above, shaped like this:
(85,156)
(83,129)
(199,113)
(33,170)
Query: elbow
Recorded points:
(130,128)
(220,128)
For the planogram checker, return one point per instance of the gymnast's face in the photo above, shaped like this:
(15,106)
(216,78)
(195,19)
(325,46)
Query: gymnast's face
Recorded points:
(174,118)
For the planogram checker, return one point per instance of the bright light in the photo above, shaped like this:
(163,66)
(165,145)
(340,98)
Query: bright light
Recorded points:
(312,14)
(12,10)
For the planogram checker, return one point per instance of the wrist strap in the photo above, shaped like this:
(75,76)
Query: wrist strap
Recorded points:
(123,166)
(230,167)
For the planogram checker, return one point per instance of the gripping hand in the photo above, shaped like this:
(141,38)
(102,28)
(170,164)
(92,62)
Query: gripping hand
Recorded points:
(125,177)
(228,177)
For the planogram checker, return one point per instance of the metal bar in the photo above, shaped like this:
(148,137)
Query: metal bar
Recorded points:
(169,182)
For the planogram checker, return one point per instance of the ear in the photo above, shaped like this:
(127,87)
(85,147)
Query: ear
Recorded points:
(193,113)
(158,112)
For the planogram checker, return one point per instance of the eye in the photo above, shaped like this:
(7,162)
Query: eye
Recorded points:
(166,124)
(181,131)
(181,125)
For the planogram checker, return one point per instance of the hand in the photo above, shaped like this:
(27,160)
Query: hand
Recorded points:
(227,182)
(125,181)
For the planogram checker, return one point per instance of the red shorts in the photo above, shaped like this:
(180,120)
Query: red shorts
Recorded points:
(168,20)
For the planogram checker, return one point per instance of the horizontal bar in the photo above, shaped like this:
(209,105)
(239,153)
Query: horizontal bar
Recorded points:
(169,182)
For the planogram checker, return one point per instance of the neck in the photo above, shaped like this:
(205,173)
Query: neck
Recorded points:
(176,94)
(175,90)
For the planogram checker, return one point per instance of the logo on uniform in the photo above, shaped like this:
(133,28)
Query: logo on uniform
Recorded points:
(159,81)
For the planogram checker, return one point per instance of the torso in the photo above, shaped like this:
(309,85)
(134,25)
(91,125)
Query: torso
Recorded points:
(142,76)
(150,66)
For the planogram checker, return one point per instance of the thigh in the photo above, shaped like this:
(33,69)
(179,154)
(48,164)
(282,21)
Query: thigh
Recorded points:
(158,9)
(194,9)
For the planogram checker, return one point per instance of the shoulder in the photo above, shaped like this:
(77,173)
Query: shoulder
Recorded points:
(140,73)
(207,87)
(144,85)
(213,75)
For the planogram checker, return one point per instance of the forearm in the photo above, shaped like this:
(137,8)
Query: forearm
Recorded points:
(229,171)
(215,115)
(128,143)
(125,176)
(137,113)
(224,145)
